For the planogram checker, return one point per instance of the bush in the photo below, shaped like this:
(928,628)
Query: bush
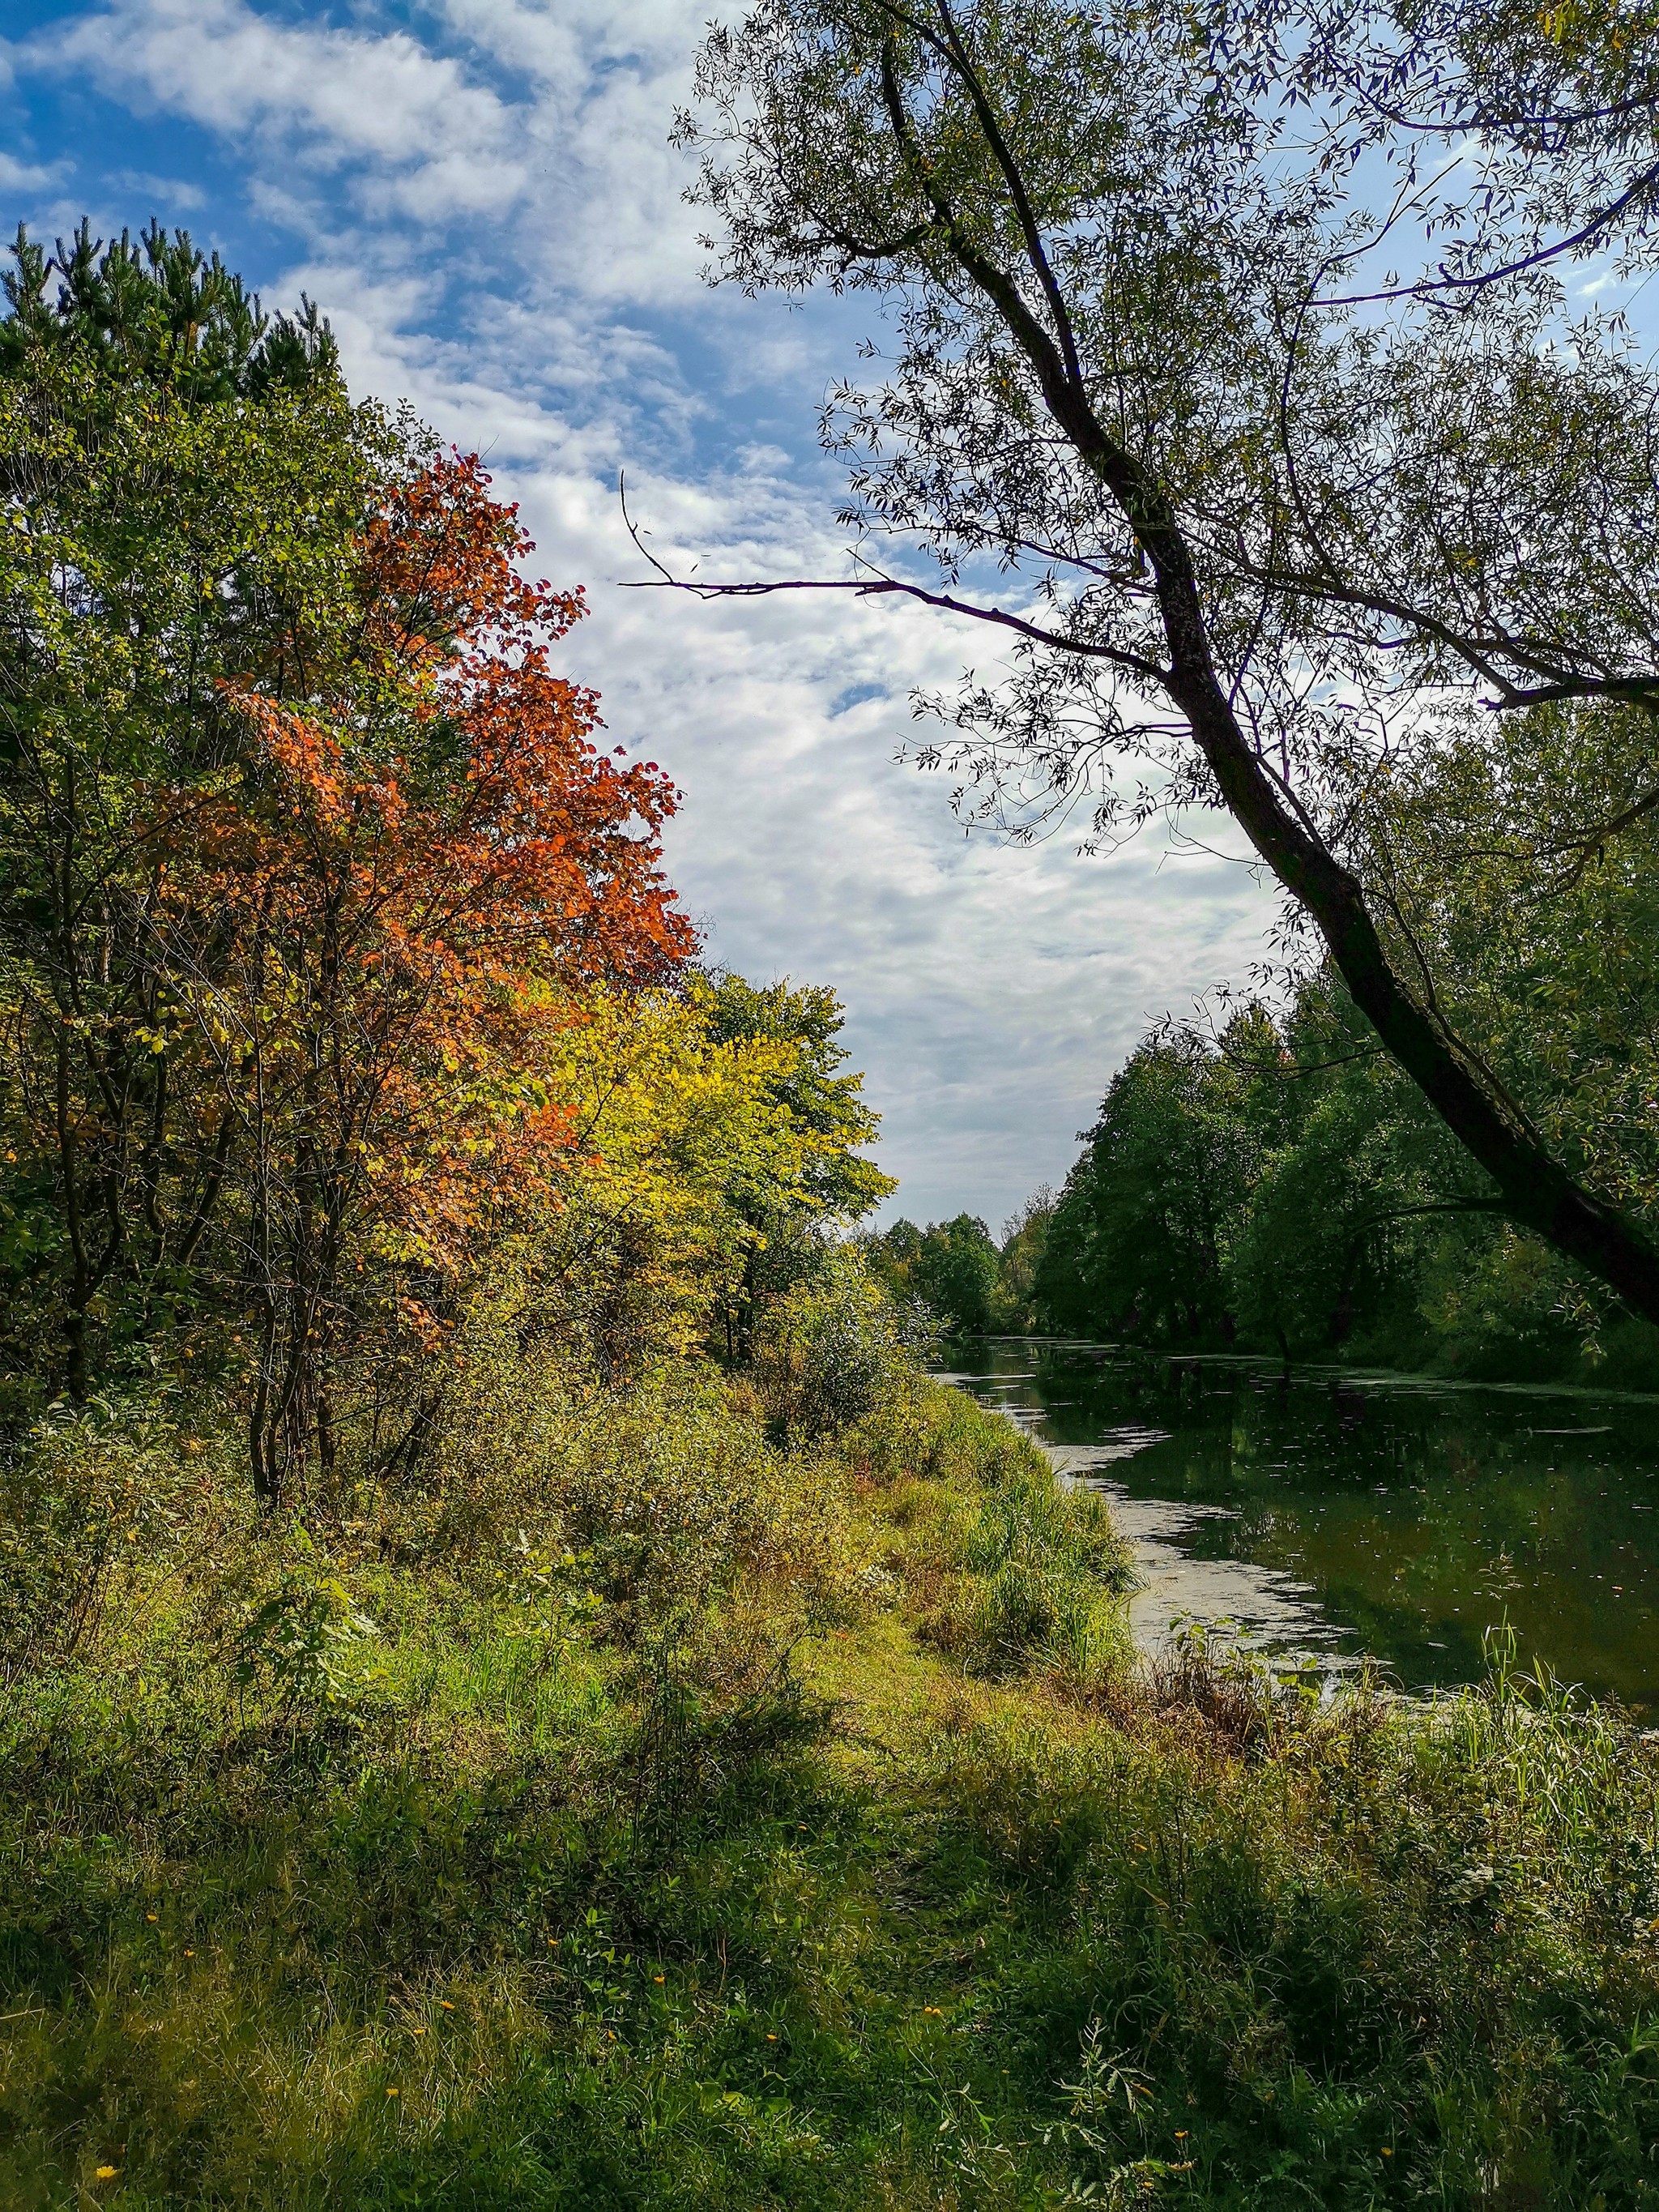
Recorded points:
(836,1350)
(1005,1566)
(85,1495)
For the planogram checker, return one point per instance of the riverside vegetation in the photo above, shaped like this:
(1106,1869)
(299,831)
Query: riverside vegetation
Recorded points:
(1270,1184)
(517,1689)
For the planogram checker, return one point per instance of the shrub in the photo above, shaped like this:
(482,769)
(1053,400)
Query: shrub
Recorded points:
(83,1494)
(836,1350)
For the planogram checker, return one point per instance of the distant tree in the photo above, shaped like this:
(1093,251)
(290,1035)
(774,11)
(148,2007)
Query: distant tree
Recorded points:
(1024,1234)
(1138,1239)
(952,1267)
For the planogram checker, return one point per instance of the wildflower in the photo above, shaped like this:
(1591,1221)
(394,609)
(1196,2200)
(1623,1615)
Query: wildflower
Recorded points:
(935,2011)
(444,2005)
(150,1915)
(771,2039)
(188,1953)
(107,2172)
(656,1978)
(394,2093)
(1387,2153)
(417,2031)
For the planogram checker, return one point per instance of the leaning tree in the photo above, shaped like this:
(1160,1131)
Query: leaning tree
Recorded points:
(1239,344)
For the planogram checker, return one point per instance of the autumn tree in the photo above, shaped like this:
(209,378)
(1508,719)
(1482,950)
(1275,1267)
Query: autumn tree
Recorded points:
(310,853)
(1239,341)
(838,1184)
(428,862)
(716,1158)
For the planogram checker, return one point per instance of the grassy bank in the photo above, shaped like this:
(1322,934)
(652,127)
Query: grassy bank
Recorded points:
(650,1814)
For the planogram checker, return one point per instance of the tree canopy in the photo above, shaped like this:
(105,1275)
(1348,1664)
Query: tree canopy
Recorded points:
(1240,344)
(343,995)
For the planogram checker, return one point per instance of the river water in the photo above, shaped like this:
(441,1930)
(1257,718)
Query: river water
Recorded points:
(1340,1515)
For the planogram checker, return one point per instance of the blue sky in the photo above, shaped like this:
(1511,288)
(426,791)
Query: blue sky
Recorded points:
(480,195)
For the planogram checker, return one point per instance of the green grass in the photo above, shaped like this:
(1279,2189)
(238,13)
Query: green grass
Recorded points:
(944,1908)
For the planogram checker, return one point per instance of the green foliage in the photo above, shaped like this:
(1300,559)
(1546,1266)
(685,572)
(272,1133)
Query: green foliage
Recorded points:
(1282,1185)
(1139,1238)
(826,1106)
(952,1267)
(85,1495)
(155,449)
(838,1186)
(1024,1242)
(836,1349)
(1522,860)
(308,1644)
(156,310)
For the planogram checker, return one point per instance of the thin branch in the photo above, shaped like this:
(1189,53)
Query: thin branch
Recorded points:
(1432,288)
(878,586)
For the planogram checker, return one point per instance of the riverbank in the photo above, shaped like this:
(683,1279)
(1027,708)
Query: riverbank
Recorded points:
(1348,1514)
(793,1832)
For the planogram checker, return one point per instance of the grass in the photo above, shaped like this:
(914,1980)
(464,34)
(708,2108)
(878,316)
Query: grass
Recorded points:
(824,1853)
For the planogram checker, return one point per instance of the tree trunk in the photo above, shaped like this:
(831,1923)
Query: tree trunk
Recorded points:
(1537,1191)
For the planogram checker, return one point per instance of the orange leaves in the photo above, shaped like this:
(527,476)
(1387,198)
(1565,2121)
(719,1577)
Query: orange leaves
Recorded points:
(422,864)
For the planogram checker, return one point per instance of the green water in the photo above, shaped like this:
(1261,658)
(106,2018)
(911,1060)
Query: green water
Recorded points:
(1410,1516)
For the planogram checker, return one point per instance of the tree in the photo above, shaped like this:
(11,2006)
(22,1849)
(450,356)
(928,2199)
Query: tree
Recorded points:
(1025,1237)
(1138,1240)
(715,1154)
(836,1184)
(1264,528)
(423,865)
(952,1266)
(309,854)
(1279,1183)
(179,476)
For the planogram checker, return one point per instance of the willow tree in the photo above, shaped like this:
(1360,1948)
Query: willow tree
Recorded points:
(1235,342)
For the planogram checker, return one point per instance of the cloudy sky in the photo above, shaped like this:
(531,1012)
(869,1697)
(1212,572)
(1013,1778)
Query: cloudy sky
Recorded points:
(480,195)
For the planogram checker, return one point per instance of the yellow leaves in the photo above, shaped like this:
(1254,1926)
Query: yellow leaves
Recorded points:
(681,1143)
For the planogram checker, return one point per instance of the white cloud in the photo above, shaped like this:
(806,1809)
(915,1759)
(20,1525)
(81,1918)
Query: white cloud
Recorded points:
(17,176)
(433,144)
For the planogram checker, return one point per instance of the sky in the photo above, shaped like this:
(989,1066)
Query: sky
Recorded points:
(481,197)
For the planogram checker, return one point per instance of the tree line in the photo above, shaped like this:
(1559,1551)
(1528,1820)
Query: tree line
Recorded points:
(1273,1182)
(345,1007)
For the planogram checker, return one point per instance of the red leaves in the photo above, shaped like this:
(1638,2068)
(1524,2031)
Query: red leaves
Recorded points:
(425,860)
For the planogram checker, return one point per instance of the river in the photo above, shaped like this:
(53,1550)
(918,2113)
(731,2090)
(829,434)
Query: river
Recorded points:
(1342,1514)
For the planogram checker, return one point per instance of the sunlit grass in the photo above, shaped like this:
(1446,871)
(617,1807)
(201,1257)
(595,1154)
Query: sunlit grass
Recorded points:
(953,1911)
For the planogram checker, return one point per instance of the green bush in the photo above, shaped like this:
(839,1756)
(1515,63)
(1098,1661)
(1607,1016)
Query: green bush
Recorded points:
(84,1496)
(836,1350)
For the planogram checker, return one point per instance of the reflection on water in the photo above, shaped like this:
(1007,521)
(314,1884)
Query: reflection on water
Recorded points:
(1346,1513)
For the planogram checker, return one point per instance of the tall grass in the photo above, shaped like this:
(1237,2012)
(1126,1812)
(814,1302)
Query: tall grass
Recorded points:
(646,1813)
